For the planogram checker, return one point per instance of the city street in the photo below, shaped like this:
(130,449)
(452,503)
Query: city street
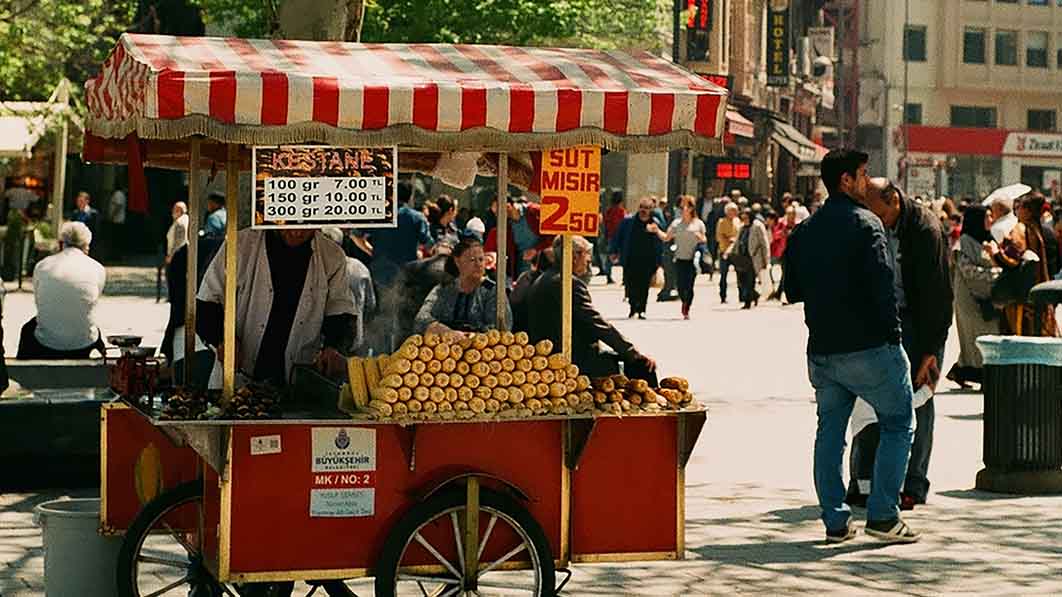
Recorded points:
(751,520)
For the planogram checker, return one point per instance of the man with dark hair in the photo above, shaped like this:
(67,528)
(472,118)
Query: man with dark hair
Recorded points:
(838,265)
(217,217)
(394,247)
(920,254)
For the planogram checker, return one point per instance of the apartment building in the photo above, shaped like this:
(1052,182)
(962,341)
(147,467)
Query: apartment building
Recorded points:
(958,97)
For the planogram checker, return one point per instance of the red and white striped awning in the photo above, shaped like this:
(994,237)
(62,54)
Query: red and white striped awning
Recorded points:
(435,96)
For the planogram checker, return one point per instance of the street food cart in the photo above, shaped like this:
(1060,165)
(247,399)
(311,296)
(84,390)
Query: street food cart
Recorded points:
(478,505)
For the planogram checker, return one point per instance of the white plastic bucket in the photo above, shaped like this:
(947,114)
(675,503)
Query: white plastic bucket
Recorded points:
(78,561)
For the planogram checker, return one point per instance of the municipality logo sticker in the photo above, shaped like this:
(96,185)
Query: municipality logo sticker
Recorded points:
(342,439)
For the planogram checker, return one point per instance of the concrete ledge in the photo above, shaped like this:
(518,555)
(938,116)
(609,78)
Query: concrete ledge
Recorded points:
(51,438)
(1020,482)
(58,374)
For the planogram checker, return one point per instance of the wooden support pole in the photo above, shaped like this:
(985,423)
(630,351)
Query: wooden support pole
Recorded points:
(566,298)
(62,97)
(192,269)
(503,239)
(232,189)
(471,542)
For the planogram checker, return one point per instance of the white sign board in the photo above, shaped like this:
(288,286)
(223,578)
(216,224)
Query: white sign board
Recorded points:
(343,463)
(312,186)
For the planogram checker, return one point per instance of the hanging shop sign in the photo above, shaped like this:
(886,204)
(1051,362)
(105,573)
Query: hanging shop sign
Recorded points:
(778,44)
(311,186)
(571,184)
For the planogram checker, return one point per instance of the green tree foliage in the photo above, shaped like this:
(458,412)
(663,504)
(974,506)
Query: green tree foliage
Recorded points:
(581,23)
(41,41)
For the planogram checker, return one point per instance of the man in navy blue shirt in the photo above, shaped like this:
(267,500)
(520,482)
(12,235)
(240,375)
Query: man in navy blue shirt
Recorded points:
(394,247)
(838,264)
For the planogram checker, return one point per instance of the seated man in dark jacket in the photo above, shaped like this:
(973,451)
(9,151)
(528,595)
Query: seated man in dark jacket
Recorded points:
(588,327)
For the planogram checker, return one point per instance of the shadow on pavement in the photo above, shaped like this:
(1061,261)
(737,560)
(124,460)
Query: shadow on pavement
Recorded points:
(981,496)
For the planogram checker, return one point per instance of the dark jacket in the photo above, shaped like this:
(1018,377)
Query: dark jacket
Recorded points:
(620,243)
(1050,248)
(926,278)
(544,322)
(837,263)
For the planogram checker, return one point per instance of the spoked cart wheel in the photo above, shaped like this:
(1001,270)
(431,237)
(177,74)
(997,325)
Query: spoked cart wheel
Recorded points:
(160,553)
(427,553)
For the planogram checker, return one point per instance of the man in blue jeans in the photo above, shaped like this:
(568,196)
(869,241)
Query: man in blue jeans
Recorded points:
(838,264)
(920,253)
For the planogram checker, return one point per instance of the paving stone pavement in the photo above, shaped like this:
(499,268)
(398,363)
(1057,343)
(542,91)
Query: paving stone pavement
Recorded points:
(751,520)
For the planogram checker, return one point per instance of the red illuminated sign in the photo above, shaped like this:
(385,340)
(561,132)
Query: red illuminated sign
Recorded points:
(720,80)
(733,170)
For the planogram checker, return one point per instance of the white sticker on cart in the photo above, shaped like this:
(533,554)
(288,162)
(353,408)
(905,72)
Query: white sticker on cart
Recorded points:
(265,444)
(343,449)
(340,503)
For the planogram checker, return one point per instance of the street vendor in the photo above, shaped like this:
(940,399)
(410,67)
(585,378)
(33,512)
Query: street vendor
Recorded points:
(293,304)
(588,326)
(468,303)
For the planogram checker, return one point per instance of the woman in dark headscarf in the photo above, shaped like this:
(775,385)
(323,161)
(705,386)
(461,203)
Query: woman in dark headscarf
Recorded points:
(974,273)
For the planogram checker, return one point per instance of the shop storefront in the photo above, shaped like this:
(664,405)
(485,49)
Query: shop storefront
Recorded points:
(971,162)
(717,176)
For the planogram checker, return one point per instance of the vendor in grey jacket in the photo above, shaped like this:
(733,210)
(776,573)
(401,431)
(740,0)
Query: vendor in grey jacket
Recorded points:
(466,304)
(919,251)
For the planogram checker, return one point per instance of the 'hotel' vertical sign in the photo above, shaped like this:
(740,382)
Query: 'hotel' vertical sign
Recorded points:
(778,44)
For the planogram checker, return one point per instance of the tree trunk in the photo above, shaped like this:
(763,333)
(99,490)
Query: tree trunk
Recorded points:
(355,18)
(321,20)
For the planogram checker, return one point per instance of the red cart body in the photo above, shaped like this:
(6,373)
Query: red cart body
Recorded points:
(622,500)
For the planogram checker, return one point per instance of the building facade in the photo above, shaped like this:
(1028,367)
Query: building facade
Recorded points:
(753,48)
(958,97)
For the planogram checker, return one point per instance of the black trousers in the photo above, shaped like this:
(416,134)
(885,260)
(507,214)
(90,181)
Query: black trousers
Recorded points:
(686,274)
(746,280)
(637,279)
(31,348)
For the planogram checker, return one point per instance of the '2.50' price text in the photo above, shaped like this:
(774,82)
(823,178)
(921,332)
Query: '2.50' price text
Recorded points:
(558,218)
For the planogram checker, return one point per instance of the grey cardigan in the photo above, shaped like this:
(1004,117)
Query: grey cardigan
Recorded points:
(482,312)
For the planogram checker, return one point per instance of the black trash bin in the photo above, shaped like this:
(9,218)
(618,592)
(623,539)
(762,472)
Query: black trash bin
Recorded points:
(1022,414)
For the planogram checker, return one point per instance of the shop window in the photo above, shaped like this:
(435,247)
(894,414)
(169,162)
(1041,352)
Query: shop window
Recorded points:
(974,116)
(973,45)
(914,43)
(1058,45)
(1034,177)
(1037,2)
(1041,120)
(1007,48)
(975,176)
(912,114)
(1036,49)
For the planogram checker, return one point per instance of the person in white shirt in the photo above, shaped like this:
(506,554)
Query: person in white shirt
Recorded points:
(66,288)
(361,290)
(177,235)
(116,232)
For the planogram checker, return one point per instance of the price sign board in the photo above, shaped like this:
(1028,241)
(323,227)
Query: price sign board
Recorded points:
(570,186)
(312,186)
